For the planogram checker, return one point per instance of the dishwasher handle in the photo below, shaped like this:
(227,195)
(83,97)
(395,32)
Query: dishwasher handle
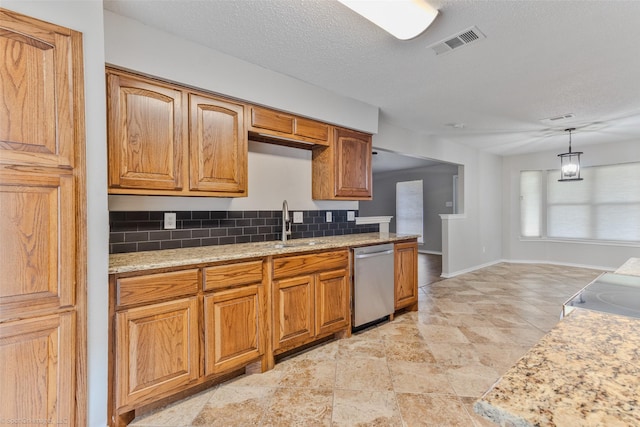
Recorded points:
(374,254)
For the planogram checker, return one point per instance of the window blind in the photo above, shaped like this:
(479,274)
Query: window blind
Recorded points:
(604,206)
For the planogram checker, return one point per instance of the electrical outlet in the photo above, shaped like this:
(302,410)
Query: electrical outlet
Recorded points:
(351,216)
(297,217)
(329,217)
(169,220)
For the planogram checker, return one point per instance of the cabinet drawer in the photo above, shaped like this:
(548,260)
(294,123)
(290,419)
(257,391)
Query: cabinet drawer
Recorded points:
(156,287)
(272,120)
(224,276)
(312,129)
(305,264)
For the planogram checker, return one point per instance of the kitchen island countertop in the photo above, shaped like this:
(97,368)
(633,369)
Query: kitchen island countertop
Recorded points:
(149,260)
(630,268)
(585,371)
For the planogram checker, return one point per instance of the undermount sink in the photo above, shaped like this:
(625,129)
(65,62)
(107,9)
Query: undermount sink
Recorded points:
(294,244)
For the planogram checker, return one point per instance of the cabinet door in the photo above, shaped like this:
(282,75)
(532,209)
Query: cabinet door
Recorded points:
(232,322)
(145,134)
(156,351)
(37,246)
(332,301)
(293,306)
(218,146)
(352,163)
(406,271)
(37,370)
(38,109)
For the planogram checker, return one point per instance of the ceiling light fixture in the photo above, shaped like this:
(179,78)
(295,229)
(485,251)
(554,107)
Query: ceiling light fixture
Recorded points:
(403,19)
(570,163)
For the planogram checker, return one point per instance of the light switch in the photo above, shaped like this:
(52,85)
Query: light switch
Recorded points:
(351,216)
(297,217)
(329,217)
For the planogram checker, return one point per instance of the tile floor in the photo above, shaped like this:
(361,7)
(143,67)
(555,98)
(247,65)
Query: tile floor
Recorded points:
(425,368)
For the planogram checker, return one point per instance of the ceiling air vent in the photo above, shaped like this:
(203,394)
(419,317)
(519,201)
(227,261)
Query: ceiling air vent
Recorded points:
(556,119)
(463,38)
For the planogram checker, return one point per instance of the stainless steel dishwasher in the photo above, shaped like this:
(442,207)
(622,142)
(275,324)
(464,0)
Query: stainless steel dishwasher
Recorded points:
(373,285)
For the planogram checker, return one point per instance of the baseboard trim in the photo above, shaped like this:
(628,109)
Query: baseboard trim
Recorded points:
(425,251)
(516,261)
(565,264)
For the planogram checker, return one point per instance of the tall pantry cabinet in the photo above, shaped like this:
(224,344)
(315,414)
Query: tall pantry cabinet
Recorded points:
(42,224)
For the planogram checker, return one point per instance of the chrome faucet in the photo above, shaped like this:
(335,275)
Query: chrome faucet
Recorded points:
(286,222)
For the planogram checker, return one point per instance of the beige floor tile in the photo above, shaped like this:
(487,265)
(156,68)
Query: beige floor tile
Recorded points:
(485,335)
(363,374)
(499,356)
(325,351)
(472,380)
(411,377)
(441,333)
(365,408)
(235,406)
(361,349)
(309,373)
(454,353)
(400,332)
(180,413)
(432,410)
(299,407)
(409,351)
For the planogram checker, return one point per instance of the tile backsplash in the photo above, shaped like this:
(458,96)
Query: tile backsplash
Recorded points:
(143,230)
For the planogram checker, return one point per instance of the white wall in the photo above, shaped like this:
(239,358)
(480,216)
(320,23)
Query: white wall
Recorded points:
(604,256)
(472,239)
(437,188)
(86,16)
(275,174)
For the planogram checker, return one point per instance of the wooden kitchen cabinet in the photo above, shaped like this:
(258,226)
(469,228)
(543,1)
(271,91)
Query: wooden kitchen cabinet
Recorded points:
(42,231)
(164,139)
(311,297)
(146,138)
(266,122)
(156,351)
(217,145)
(154,338)
(234,316)
(406,275)
(342,171)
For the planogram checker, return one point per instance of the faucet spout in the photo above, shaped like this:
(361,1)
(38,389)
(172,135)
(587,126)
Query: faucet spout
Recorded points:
(286,222)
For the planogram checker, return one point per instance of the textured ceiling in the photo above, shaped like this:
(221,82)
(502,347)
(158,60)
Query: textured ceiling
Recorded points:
(539,59)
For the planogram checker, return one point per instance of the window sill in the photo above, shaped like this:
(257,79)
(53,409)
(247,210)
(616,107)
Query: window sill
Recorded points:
(581,241)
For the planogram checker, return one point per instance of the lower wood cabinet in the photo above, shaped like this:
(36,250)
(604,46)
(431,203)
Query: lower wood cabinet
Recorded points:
(311,298)
(37,371)
(406,272)
(157,350)
(232,328)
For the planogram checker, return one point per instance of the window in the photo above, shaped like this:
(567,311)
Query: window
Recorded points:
(604,206)
(409,210)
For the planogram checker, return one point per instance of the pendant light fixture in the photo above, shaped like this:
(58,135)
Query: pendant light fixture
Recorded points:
(570,163)
(403,19)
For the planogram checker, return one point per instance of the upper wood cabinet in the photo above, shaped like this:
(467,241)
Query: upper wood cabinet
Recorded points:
(168,140)
(406,272)
(342,171)
(42,225)
(217,145)
(271,123)
(145,134)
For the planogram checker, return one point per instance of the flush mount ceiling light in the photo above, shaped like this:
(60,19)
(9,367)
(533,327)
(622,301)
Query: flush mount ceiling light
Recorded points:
(570,163)
(403,19)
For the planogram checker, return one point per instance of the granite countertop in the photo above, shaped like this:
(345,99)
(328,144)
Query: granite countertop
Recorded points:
(630,268)
(585,371)
(138,261)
